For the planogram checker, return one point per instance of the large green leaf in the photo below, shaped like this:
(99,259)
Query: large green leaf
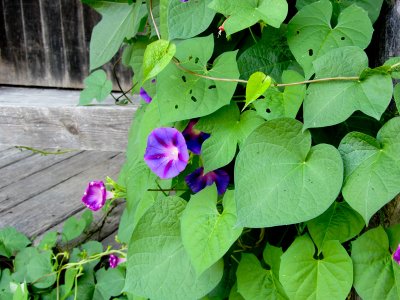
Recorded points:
(329,103)
(256,283)
(245,13)
(184,20)
(310,34)
(97,86)
(119,21)
(373,7)
(339,222)
(376,274)
(156,57)
(40,270)
(227,128)
(133,57)
(12,241)
(305,277)
(207,234)
(280,179)
(270,55)
(372,168)
(109,283)
(396,96)
(185,96)
(282,104)
(158,266)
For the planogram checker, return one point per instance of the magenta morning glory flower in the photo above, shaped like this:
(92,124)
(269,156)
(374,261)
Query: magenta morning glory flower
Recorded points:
(194,138)
(396,255)
(184,0)
(198,181)
(114,261)
(96,195)
(166,153)
(143,94)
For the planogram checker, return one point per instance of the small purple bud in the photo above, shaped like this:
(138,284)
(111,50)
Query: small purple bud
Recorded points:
(396,255)
(184,0)
(114,261)
(96,195)
(153,80)
(194,138)
(166,153)
(143,94)
(198,181)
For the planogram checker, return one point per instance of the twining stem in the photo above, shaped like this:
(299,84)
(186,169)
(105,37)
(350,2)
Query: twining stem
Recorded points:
(44,152)
(154,21)
(395,66)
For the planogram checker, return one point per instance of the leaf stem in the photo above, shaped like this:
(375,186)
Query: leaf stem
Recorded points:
(154,21)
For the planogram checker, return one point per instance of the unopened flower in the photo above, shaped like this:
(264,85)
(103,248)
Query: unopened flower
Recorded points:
(96,195)
(194,137)
(166,153)
(143,94)
(198,181)
(184,0)
(396,255)
(114,261)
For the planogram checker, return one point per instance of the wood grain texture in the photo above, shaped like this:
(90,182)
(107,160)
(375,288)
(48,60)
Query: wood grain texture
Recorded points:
(56,204)
(48,118)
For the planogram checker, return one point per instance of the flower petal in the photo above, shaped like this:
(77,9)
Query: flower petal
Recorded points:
(95,195)
(198,181)
(143,94)
(194,138)
(396,255)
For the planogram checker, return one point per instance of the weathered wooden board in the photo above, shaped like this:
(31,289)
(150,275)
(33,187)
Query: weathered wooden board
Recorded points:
(46,43)
(11,156)
(38,183)
(50,118)
(57,203)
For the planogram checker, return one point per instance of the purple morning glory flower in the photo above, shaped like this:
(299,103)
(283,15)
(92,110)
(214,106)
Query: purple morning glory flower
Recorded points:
(143,94)
(194,138)
(184,0)
(114,261)
(396,255)
(166,152)
(198,181)
(96,195)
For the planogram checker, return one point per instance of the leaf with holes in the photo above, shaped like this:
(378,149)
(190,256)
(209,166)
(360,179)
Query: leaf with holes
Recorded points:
(376,274)
(257,84)
(245,13)
(183,95)
(158,266)
(330,103)
(305,277)
(372,168)
(310,34)
(282,104)
(257,283)
(227,128)
(97,86)
(207,234)
(340,222)
(280,179)
(119,21)
(156,57)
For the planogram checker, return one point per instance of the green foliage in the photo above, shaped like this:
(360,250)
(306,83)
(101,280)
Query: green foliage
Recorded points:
(109,283)
(304,276)
(310,34)
(158,266)
(12,241)
(243,14)
(372,168)
(376,274)
(48,241)
(97,87)
(183,95)
(280,179)
(206,233)
(257,84)
(156,57)
(74,227)
(228,128)
(396,96)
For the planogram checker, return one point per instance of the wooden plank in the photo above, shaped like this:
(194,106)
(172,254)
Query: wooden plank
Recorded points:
(110,241)
(49,118)
(49,178)
(29,166)
(41,212)
(12,156)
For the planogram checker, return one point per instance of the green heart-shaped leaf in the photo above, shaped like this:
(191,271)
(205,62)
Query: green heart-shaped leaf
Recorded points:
(158,266)
(257,84)
(339,222)
(183,95)
(376,274)
(330,103)
(311,35)
(97,86)
(207,234)
(372,168)
(396,96)
(304,277)
(245,13)
(156,57)
(280,179)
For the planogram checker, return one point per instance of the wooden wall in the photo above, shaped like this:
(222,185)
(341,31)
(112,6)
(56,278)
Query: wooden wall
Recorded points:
(46,43)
